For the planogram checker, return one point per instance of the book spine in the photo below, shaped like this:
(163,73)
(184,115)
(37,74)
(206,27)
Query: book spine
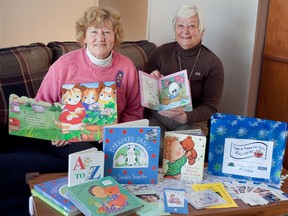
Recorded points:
(43,193)
(49,202)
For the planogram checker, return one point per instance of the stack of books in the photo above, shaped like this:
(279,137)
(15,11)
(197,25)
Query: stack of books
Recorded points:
(53,193)
(95,189)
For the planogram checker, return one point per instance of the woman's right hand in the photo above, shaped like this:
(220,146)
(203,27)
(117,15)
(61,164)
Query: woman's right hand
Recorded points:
(156,74)
(60,143)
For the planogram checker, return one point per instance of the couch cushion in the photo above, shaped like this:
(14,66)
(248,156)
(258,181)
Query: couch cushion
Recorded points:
(137,51)
(22,70)
(60,48)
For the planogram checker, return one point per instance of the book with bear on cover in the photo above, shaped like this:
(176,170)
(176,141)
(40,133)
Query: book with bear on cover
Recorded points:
(184,154)
(103,196)
(168,92)
(84,110)
(85,166)
(132,153)
(53,192)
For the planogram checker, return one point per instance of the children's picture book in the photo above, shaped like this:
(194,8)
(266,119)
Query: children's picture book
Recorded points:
(54,205)
(219,188)
(104,196)
(204,198)
(247,148)
(84,110)
(55,191)
(174,201)
(167,92)
(149,209)
(132,153)
(85,165)
(184,155)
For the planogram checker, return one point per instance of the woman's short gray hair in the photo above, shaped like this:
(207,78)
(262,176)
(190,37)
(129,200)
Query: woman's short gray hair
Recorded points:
(188,10)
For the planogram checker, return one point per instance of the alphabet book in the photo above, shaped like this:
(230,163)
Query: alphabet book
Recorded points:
(85,165)
(84,110)
(167,92)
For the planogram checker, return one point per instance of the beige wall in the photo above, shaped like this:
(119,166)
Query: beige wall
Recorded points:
(27,21)
(134,16)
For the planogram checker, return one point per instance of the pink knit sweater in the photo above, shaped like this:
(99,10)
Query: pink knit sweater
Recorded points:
(75,67)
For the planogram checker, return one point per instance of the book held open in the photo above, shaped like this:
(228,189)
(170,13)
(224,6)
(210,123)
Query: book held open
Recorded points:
(168,92)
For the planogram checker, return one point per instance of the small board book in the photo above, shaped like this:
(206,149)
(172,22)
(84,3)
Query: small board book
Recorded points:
(247,148)
(204,198)
(85,165)
(167,92)
(55,192)
(174,201)
(132,153)
(84,110)
(104,196)
(219,188)
(184,155)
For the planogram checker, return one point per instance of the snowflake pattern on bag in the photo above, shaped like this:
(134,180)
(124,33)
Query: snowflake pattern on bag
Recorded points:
(259,135)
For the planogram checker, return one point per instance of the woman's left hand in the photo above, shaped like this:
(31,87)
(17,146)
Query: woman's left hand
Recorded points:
(177,114)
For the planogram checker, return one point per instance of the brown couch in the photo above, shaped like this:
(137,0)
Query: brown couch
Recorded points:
(22,69)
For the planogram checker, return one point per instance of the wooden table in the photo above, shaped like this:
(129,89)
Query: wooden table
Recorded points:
(280,208)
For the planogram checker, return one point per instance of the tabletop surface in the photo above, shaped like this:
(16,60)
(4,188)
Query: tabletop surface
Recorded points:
(41,208)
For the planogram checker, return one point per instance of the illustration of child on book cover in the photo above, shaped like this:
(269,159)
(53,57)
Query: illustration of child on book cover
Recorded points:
(84,110)
(112,200)
(183,156)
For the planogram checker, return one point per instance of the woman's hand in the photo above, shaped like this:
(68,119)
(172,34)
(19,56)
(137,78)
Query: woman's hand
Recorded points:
(60,143)
(156,74)
(177,114)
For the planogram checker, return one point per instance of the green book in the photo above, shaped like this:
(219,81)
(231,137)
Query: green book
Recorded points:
(49,202)
(103,196)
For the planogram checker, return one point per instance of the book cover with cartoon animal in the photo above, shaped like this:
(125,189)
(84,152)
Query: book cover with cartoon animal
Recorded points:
(184,155)
(85,166)
(81,116)
(168,92)
(104,196)
(132,153)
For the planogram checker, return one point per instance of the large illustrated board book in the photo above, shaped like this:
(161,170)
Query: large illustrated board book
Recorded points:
(104,196)
(85,166)
(247,148)
(184,154)
(167,92)
(132,153)
(53,192)
(84,110)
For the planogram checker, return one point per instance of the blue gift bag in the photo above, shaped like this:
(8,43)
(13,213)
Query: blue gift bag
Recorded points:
(246,148)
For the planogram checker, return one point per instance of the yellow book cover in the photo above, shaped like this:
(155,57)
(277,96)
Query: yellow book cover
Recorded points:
(219,188)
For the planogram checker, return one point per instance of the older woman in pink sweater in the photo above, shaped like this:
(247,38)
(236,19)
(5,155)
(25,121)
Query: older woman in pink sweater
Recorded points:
(100,31)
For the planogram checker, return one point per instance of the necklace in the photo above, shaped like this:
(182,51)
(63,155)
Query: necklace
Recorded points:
(196,60)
